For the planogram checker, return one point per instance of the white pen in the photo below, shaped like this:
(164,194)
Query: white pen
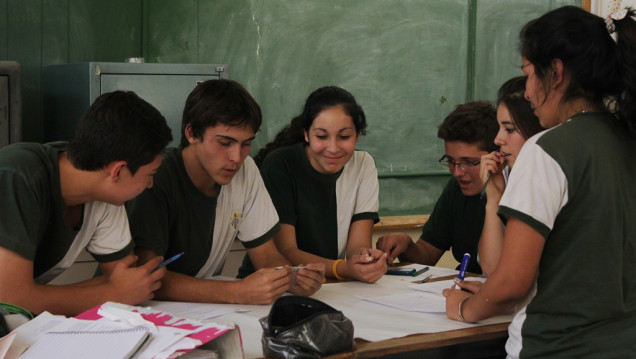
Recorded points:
(296,269)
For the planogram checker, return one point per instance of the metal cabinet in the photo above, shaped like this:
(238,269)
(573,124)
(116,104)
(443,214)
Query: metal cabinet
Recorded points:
(69,89)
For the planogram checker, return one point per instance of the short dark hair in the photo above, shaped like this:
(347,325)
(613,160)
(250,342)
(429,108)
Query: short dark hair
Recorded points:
(474,123)
(511,94)
(118,126)
(319,100)
(215,102)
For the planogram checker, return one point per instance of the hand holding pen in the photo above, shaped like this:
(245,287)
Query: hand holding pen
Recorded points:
(462,268)
(367,265)
(168,261)
(491,169)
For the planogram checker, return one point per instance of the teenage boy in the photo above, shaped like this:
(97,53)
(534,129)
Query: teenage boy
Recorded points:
(61,198)
(207,193)
(457,219)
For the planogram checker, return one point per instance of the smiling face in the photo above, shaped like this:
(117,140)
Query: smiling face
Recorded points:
(218,155)
(468,178)
(509,138)
(332,140)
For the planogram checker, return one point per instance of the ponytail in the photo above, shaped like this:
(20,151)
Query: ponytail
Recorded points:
(289,135)
(626,52)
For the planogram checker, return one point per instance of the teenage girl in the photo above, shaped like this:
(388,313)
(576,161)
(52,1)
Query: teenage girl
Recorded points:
(571,199)
(517,123)
(325,192)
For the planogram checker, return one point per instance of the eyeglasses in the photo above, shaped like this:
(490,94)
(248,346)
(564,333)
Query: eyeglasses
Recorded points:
(450,164)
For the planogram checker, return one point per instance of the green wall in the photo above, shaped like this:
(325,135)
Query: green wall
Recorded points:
(409,62)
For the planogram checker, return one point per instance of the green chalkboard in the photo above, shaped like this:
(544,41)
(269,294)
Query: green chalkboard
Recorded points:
(409,63)
(405,61)
(498,23)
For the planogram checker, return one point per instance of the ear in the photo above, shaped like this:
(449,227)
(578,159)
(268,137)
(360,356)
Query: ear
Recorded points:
(558,73)
(189,134)
(114,170)
(306,136)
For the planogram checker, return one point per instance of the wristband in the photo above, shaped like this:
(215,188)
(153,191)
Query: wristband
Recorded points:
(459,309)
(6,308)
(335,270)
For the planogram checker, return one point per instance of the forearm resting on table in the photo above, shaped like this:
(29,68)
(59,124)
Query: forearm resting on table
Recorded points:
(68,300)
(421,252)
(514,275)
(183,288)
(18,287)
(488,302)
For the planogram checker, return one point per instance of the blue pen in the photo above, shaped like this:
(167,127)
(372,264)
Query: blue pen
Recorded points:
(462,268)
(168,261)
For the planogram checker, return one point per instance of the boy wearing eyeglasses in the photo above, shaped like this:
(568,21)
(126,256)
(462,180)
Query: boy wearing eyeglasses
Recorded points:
(457,219)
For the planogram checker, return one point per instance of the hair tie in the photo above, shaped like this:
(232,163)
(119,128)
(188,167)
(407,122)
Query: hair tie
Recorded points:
(615,14)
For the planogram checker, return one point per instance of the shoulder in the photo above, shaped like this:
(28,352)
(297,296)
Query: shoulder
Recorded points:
(16,154)
(171,166)
(285,160)
(283,154)
(249,166)
(32,161)
(362,159)
(171,157)
(99,209)
(247,175)
(361,165)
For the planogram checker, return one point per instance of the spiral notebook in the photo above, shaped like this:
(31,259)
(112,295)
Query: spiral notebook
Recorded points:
(115,344)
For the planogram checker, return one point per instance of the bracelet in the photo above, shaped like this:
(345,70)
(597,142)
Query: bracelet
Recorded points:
(335,270)
(459,309)
(6,308)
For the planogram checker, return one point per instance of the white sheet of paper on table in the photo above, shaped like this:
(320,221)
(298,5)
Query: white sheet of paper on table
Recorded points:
(413,302)
(438,287)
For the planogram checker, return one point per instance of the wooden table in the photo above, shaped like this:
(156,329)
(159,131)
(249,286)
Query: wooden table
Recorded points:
(478,342)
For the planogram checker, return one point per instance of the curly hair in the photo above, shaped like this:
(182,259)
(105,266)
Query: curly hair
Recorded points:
(474,123)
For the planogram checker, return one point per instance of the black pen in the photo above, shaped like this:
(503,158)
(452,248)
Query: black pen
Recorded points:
(415,274)
(426,279)
(483,190)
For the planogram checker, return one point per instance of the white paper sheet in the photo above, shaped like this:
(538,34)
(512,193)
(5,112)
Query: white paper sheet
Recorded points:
(438,287)
(423,302)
